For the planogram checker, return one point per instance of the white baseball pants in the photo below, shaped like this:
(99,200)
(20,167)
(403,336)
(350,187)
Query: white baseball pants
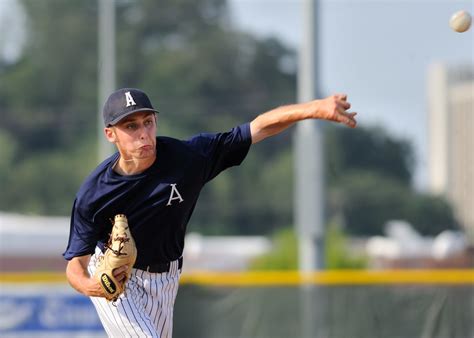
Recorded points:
(146,307)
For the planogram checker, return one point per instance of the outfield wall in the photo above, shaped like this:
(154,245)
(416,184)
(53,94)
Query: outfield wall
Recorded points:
(264,304)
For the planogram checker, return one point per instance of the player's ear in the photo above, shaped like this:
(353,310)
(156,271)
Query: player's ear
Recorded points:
(110,134)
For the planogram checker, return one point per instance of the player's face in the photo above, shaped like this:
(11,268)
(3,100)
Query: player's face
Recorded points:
(135,135)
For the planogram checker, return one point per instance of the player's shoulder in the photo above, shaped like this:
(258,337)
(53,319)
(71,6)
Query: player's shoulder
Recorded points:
(204,141)
(184,147)
(196,147)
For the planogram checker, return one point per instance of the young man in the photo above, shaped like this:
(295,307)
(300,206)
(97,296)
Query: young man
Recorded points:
(155,182)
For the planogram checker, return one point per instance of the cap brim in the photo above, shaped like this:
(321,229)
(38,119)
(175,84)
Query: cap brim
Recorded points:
(121,117)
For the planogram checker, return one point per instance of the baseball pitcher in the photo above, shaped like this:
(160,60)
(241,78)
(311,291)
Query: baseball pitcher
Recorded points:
(129,217)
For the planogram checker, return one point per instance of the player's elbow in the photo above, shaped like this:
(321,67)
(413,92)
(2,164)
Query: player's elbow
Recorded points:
(258,130)
(71,274)
(76,272)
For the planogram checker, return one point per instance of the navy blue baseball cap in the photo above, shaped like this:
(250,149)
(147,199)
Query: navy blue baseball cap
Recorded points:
(124,102)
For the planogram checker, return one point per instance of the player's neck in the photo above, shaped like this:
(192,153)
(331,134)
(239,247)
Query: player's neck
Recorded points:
(133,166)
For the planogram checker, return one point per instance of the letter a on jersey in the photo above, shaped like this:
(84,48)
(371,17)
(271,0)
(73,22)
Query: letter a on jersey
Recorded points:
(129,98)
(175,195)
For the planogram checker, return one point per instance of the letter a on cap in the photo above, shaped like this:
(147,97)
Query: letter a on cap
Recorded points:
(129,99)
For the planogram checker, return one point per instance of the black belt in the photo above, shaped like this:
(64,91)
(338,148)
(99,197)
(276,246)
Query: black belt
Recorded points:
(160,267)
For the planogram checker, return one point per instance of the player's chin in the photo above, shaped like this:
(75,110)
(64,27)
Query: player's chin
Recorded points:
(145,153)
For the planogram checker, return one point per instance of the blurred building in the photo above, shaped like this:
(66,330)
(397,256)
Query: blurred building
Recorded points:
(403,247)
(451,138)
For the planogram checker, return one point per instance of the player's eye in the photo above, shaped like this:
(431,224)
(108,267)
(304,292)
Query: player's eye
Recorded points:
(131,126)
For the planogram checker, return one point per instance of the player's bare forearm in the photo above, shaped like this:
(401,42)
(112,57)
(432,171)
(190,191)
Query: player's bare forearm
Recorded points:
(333,108)
(79,279)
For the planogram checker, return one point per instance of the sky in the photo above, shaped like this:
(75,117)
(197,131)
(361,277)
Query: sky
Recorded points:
(377,51)
(12,35)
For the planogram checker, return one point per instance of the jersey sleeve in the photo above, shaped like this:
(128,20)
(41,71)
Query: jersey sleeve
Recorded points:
(223,150)
(83,235)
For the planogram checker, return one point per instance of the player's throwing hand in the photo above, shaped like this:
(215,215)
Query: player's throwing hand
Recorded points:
(334,108)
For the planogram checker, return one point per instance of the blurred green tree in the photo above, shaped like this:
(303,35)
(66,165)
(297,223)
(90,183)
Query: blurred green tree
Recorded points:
(284,254)
(369,149)
(338,254)
(370,183)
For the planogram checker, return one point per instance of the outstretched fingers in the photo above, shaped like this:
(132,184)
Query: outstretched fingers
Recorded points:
(348,119)
(342,115)
(335,108)
(342,106)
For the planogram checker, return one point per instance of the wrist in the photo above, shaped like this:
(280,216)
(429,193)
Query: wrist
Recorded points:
(313,109)
(92,288)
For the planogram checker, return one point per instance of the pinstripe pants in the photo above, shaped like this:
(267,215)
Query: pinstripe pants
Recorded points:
(146,307)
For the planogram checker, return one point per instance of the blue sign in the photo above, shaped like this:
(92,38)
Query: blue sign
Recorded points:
(41,313)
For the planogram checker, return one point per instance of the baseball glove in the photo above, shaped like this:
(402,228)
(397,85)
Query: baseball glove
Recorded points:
(120,250)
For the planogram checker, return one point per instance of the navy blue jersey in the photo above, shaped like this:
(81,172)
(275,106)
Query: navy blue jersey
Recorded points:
(157,202)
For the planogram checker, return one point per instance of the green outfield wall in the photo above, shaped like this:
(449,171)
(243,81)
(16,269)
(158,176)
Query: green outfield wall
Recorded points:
(332,304)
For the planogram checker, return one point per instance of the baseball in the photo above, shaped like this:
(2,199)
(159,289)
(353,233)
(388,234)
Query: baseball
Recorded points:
(460,21)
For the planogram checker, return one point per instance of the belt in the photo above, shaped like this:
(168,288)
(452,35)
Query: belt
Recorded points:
(160,267)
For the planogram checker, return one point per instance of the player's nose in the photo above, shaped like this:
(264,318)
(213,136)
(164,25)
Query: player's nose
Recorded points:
(143,133)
